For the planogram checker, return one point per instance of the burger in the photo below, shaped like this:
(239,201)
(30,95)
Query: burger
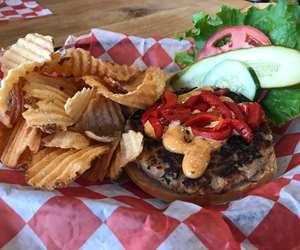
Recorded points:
(206,146)
(212,142)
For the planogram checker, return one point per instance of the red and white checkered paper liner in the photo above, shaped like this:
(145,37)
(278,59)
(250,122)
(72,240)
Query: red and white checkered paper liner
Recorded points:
(21,9)
(121,216)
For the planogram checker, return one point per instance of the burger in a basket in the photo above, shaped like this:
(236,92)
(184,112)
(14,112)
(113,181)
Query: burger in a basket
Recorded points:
(202,135)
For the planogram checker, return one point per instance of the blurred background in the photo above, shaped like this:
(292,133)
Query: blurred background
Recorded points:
(268,1)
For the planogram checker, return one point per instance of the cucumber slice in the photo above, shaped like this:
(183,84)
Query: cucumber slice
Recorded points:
(233,75)
(274,66)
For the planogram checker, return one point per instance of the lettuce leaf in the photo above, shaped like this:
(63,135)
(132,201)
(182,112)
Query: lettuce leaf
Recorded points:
(184,58)
(280,22)
(282,105)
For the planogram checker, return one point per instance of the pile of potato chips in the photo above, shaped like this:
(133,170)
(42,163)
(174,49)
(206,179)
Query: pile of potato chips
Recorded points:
(62,115)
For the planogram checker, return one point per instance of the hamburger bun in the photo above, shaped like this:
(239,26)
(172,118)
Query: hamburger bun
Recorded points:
(154,188)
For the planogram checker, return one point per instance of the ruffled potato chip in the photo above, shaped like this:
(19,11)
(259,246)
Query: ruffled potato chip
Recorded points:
(17,102)
(76,105)
(23,136)
(60,167)
(97,138)
(101,166)
(48,116)
(102,117)
(41,87)
(4,137)
(25,158)
(41,154)
(66,139)
(45,98)
(32,48)
(79,62)
(131,146)
(142,91)
(13,77)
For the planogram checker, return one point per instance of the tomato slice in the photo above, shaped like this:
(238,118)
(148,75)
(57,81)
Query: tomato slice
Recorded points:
(234,37)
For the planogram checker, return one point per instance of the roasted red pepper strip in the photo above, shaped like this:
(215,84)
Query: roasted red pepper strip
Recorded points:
(263,118)
(254,114)
(241,128)
(150,111)
(193,101)
(209,133)
(169,100)
(213,100)
(203,107)
(176,114)
(202,118)
(156,125)
(236,110)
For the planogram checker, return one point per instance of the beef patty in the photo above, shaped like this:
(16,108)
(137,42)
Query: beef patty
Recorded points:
(233,164)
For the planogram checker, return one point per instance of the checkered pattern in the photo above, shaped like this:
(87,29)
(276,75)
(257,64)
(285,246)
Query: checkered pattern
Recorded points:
(121,216)
(123,49)
(21,9)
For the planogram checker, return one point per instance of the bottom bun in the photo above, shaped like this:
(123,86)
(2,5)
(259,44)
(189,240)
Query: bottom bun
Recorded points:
(155,189)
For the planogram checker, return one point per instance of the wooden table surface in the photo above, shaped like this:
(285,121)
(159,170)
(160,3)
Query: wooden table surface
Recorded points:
(135,17)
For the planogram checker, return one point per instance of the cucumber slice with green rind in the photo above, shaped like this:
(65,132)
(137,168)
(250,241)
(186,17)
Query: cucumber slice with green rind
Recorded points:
(233,75)
(274,66)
